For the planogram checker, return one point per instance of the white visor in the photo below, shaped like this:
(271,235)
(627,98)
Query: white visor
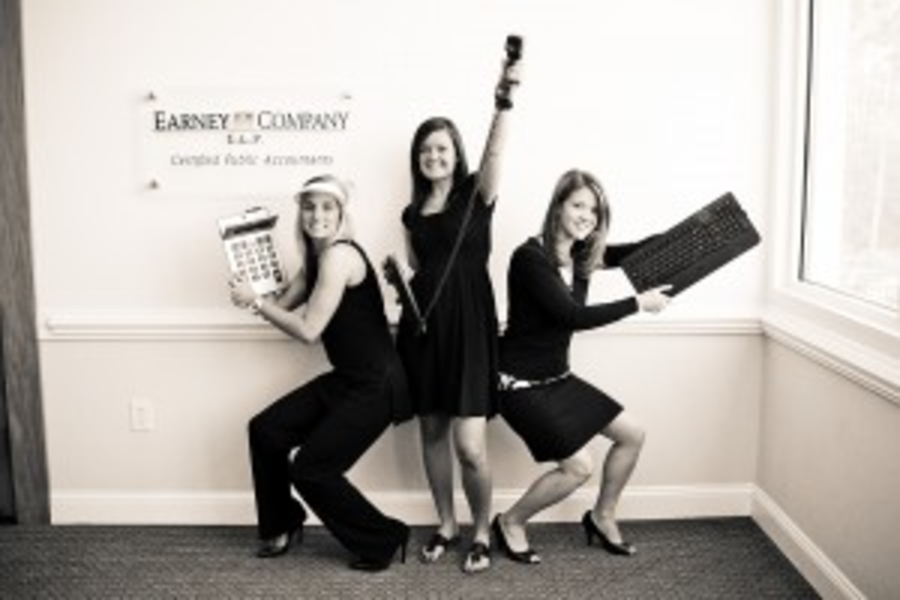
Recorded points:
(325,187)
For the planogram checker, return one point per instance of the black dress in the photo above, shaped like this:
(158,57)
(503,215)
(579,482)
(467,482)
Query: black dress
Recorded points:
(554,412)
(452,368)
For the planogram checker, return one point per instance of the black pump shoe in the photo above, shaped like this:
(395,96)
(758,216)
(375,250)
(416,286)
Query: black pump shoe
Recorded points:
(280,544)
(527,556)
(591,530)
(373,565)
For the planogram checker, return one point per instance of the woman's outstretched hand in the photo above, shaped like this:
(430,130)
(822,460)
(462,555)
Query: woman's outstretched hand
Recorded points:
(654,299)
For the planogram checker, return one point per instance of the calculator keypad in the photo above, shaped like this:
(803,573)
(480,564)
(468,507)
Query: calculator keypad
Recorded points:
(253,257)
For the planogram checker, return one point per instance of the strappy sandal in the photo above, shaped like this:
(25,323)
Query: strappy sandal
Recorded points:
(478,558)
(436,547)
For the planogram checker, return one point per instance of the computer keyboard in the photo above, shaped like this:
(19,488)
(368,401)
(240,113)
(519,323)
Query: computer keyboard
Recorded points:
(694,248)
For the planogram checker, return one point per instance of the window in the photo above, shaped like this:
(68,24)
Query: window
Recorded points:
(851,218)
(834,238)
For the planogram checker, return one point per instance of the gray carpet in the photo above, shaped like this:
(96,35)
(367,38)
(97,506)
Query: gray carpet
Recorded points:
(690,559)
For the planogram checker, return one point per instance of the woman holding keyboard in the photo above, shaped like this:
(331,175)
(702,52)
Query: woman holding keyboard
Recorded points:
(554,411)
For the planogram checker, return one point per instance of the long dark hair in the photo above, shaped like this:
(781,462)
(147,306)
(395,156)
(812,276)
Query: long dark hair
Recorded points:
(587,255)
(422,186)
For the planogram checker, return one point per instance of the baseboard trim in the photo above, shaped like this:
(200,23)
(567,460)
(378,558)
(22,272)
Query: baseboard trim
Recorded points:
(151,508)
(825,576)
(415,507)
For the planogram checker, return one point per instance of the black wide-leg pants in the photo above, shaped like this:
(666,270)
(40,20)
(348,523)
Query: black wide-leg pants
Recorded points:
(332,422)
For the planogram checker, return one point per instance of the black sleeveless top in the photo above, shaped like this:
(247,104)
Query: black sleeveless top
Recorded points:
(358,343)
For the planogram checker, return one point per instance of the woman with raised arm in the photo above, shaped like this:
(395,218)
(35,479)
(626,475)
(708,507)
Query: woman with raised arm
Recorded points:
(333,419)
(451,365)
(555,412)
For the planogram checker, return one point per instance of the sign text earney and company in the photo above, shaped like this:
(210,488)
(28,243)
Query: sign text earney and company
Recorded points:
(208,141)
(264,120)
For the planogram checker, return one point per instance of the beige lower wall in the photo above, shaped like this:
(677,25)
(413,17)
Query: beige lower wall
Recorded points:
(828,458)
(697,394)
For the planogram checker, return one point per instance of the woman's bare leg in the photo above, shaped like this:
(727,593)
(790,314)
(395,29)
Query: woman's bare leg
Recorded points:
(628,439)
(547,490)
(437,454)
(470,435)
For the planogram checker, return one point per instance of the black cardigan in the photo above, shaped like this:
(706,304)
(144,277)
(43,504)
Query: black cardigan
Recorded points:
(544,312)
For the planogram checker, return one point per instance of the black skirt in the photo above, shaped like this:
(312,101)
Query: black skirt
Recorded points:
(558,419)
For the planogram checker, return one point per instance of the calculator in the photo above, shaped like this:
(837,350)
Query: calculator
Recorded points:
(251,250)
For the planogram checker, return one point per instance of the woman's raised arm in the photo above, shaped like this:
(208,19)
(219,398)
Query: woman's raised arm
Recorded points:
(489,167)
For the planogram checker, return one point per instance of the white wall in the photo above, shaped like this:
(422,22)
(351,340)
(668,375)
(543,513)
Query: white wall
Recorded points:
(668,102)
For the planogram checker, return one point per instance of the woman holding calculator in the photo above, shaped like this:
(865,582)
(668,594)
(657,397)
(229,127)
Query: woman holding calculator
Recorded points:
(333,419)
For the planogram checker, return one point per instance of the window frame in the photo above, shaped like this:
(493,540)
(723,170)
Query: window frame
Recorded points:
(853,337)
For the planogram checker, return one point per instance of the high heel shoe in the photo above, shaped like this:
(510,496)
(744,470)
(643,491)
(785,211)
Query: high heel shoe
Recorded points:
(373,565)
(591,530)
(280,544)
(527,556)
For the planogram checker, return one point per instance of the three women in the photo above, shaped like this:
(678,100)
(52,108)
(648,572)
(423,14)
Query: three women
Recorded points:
(452,364)
(336,417)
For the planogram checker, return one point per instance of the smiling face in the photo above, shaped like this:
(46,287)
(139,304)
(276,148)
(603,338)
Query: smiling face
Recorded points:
(579,214)
(437,156)
(320,215)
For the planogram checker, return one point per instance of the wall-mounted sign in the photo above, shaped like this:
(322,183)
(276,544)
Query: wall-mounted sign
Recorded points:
(241,142)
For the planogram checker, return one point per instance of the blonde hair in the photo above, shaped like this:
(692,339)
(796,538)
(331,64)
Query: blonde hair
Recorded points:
(587,255)
(333,186)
